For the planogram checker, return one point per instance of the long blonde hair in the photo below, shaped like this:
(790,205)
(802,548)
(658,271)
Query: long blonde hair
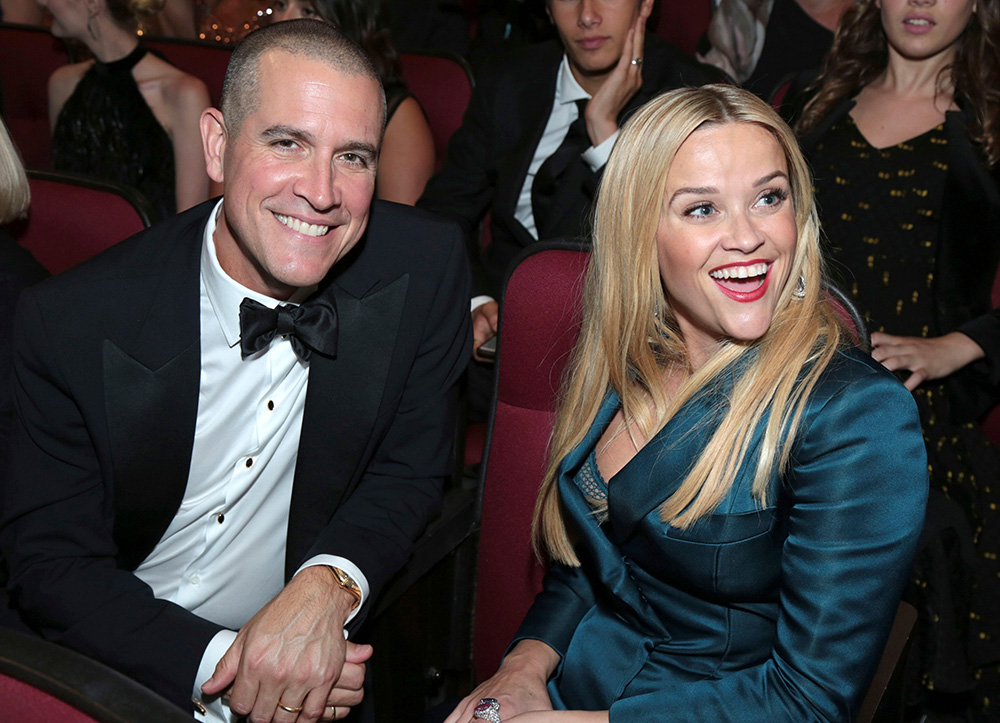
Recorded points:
(625,309)
(15,195)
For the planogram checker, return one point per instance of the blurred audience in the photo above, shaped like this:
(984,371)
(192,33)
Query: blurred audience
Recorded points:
(126,116)
(26,12)
(407,157)
(539,129)
(903,134)
(759,43)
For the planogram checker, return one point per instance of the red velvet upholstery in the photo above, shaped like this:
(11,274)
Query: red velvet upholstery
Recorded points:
(25,704)
(442,84)
(540,320)
(72,219)
(41,682)
(683,23)
(28,56)
(205,61)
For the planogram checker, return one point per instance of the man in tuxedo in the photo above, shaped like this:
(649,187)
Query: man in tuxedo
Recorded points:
(540,127)
(240,419)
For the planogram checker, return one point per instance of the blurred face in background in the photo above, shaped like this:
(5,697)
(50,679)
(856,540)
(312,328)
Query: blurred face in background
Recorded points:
(926,29)
(293,9)
(593,32)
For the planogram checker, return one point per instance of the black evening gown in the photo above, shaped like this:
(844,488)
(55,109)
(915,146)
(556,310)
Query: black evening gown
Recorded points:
(106,130)
(880,210)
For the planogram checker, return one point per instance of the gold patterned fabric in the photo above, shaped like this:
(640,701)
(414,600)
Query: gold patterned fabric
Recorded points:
(881,211)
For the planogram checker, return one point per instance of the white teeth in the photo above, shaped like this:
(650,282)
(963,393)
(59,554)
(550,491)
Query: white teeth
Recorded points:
(739,272)
(918,21)
(306,229)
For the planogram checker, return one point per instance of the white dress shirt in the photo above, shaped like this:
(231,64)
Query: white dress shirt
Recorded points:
(564,112)
(223,555)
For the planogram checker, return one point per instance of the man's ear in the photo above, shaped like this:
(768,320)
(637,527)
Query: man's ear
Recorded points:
(213,141)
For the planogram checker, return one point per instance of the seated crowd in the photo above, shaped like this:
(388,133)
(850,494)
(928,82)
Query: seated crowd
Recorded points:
(222,438)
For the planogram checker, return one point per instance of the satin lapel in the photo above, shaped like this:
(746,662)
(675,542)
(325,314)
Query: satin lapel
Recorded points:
(592,540)
(151,396)
(342,405)
(658,469)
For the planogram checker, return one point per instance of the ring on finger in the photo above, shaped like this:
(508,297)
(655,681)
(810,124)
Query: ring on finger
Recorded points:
(636,61)
(289,708)
(487,710)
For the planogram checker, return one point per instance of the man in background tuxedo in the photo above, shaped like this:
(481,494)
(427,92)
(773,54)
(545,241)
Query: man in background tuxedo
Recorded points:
(540,127)
(240,419)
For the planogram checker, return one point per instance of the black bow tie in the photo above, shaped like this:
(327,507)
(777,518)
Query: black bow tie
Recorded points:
(310,327)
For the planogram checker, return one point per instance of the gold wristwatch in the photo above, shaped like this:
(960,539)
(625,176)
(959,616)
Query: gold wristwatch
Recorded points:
(347,582)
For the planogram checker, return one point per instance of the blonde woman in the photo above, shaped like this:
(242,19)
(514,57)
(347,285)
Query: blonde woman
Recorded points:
(735,492)
(126,116)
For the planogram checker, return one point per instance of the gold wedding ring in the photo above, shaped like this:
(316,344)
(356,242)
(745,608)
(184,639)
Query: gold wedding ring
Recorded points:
(289,708)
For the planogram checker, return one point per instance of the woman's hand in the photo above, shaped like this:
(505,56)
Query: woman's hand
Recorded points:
(927,359)
(519,685)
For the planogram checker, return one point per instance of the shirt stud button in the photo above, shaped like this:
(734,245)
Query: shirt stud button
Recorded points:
(249,462)
(220,518)
(270,405)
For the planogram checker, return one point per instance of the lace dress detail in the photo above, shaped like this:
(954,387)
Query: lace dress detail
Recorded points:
(590,481)
(106,130)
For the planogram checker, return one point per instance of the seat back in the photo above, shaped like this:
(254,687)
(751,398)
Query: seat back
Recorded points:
(41,682)
(884,702)
(540,320)
(28,56)
(205,61)
(73,218)
(442,84)
(683,23)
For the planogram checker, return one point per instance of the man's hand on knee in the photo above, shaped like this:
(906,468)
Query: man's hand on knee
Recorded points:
(286,660)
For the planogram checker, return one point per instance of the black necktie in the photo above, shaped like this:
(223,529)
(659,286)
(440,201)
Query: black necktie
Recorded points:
(543,189)
(310,327)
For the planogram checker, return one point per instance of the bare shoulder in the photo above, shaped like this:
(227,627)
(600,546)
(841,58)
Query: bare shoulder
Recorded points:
(65,78)
(62,83)
(175,87)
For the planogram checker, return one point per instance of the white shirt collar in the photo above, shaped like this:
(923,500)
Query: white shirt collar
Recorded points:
(224,293)
(568,90)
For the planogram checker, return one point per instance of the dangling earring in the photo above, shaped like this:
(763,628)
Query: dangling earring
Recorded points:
(94,35)
(799,292)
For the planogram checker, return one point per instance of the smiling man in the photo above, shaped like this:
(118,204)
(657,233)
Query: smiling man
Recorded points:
(231,428)
(540,127)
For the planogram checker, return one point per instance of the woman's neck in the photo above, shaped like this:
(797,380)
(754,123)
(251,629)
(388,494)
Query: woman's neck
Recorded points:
(904,76)
(112,41)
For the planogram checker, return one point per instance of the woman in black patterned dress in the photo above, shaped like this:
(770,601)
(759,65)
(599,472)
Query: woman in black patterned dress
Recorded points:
(903,135)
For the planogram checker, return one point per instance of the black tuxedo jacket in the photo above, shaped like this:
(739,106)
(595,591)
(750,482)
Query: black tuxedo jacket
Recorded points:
(489,155)
(107,365)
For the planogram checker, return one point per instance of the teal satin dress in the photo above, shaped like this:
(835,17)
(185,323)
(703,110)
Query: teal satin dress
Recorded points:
(752,614)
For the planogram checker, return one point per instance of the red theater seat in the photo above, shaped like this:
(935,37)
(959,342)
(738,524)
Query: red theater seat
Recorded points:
(73,218)
(28,56)
(442,84)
